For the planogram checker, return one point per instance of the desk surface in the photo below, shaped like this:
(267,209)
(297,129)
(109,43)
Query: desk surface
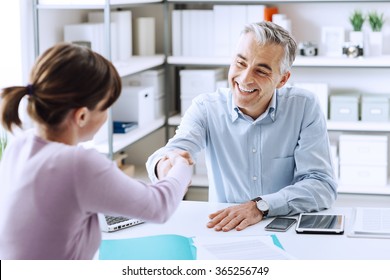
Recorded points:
(191,217)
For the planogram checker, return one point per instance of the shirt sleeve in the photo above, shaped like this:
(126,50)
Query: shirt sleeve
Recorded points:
(190,136)
(314,187)
(103,188)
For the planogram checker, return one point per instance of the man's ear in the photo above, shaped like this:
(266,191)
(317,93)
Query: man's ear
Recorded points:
(81,116)
(284,79)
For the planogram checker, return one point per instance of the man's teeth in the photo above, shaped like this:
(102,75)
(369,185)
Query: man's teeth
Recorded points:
(246,90)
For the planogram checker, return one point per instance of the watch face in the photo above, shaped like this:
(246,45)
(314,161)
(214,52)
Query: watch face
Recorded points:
(352,52)
(262,205)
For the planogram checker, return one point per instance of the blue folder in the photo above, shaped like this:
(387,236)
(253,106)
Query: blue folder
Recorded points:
(156,247)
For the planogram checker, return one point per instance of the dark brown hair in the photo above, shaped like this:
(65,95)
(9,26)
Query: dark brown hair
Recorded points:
(64,77)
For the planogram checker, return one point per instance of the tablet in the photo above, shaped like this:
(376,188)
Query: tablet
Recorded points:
(320,223)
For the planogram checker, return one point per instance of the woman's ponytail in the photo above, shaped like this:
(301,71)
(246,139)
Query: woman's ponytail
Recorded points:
(9,106)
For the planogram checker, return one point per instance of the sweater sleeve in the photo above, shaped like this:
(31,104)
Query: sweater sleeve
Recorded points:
(103,188)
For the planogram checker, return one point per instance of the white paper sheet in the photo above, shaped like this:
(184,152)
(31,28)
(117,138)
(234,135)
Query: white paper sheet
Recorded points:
(239,248)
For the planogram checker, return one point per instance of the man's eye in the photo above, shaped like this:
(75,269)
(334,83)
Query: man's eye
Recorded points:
(263,73)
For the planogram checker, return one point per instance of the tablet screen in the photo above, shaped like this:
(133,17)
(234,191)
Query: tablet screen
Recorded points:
(320,223)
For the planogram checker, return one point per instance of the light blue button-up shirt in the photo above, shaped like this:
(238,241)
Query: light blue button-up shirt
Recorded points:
(282,156)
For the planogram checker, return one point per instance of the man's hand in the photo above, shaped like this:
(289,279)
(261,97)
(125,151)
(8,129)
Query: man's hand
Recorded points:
(238,217)
(166,163)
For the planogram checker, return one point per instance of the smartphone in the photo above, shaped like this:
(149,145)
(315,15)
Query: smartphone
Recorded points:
(280,224)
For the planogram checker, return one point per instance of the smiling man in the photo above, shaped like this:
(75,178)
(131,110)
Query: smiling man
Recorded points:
(267,147)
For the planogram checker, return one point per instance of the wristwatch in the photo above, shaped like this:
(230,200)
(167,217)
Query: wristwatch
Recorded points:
(262,205)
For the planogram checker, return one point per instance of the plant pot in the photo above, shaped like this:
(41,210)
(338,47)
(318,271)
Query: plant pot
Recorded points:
(375,43)
(357,38)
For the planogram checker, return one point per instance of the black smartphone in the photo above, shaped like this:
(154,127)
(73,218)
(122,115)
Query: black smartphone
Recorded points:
(280,224)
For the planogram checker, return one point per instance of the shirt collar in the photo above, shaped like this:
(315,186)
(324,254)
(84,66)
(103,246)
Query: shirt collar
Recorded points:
(271,110)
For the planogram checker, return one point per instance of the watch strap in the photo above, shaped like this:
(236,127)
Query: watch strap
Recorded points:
(257,199)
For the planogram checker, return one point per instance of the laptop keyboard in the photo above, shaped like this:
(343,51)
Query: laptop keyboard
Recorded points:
(114,220)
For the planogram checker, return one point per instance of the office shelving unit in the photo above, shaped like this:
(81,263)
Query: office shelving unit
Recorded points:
(136,64)
(366,74)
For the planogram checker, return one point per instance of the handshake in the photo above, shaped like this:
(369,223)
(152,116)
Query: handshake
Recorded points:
(170,159)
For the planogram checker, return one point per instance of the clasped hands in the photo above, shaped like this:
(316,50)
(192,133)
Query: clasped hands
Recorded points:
(236,217)
(170,159)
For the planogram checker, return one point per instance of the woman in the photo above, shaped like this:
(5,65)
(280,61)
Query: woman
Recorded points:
(51,188)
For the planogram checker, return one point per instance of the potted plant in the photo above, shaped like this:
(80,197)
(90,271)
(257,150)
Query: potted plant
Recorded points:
(376,22)
(357,19)
(356,36)
(3,141)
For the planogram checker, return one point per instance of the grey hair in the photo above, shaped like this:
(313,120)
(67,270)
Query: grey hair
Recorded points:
(267,32)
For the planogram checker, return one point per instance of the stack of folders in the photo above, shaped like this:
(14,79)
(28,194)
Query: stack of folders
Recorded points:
(124,127)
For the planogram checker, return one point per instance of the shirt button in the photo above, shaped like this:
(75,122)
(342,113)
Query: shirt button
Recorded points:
(254,178)
(254,150)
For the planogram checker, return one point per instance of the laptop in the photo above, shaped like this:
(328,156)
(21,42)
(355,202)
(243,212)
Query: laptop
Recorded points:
(113,223)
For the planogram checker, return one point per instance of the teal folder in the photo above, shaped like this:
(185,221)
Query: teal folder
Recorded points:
(156,247)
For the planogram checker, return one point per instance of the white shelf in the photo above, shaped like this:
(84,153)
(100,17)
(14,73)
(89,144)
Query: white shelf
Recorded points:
(322,61)
(121,141)
(195,60)
(88,4)
(138,64)
(300,61)
(174,120)
(359,126)
(364,190)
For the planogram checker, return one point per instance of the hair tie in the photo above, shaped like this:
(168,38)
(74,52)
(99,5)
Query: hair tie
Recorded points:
(30,90)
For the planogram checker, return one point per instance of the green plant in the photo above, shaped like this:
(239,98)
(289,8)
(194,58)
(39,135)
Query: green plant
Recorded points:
(376,21)
(357,19)
(3,144)
(3,141)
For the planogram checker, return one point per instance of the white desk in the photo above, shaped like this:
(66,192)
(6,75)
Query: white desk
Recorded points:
(191,217)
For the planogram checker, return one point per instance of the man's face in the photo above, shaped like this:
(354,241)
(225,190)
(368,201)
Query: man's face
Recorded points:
(255,74)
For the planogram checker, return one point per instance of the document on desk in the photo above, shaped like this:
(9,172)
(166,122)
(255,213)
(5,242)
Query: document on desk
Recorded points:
(371,222)
(240,248)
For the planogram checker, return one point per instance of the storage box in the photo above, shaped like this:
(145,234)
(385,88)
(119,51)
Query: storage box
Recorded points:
(155,79)
(363,149)
(195,82)
(344,107)
(135,104)
(363,175)
(375,108)
(321,90)
(185,103)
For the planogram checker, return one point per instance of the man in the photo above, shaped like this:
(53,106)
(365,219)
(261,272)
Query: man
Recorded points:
(266,144)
